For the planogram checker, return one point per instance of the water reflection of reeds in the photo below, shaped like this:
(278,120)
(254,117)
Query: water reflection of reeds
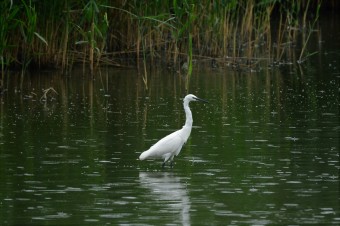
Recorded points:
(261,135)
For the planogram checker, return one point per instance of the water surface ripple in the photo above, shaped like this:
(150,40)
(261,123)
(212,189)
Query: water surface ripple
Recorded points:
(264,151)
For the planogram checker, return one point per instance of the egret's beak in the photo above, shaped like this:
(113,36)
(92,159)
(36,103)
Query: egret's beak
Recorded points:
(199,99)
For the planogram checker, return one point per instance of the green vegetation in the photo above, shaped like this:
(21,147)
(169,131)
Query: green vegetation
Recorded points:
(63,33)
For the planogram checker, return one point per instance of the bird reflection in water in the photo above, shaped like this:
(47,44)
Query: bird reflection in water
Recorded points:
(168,189)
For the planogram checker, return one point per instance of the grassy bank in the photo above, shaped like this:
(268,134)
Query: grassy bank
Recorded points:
(60,34)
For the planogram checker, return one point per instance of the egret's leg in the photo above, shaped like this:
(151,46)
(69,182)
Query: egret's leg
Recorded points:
(172,161)
(167,158)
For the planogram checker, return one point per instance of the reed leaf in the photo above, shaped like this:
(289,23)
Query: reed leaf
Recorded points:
(233,31)
(41,38)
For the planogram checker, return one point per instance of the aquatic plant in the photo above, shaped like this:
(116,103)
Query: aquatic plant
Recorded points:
(309,30)
(239,34)
(7,24)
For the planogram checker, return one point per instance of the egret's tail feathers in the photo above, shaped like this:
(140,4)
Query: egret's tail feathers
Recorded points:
(143,156)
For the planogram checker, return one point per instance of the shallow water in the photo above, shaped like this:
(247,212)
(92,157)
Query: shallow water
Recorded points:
(265,150)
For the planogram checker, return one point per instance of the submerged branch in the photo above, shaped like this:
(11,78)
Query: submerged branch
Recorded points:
(46,91)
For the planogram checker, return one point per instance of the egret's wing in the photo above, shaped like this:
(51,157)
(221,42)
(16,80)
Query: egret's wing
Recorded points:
(169,144)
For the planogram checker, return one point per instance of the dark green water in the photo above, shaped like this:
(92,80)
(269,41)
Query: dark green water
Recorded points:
(265,150)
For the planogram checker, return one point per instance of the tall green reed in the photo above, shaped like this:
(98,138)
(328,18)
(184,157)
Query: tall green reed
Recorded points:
(93,28)
(28,28)
(146,23)
(302,58)
(97,32)
(8,23)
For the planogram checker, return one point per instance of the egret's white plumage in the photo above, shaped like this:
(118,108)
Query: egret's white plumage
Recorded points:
(170,146)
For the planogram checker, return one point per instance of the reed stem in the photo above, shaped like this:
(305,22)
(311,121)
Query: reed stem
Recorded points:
(101,32)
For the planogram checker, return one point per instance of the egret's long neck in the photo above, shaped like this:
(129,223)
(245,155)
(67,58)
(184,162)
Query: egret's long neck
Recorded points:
(188,115)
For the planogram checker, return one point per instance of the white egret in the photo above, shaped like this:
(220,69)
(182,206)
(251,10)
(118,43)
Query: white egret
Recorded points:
(171,145)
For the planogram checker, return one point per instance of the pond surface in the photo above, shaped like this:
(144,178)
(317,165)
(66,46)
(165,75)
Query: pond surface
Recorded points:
(265,150)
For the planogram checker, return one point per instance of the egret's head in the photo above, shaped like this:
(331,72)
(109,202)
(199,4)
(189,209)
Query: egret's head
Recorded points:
(191,97)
